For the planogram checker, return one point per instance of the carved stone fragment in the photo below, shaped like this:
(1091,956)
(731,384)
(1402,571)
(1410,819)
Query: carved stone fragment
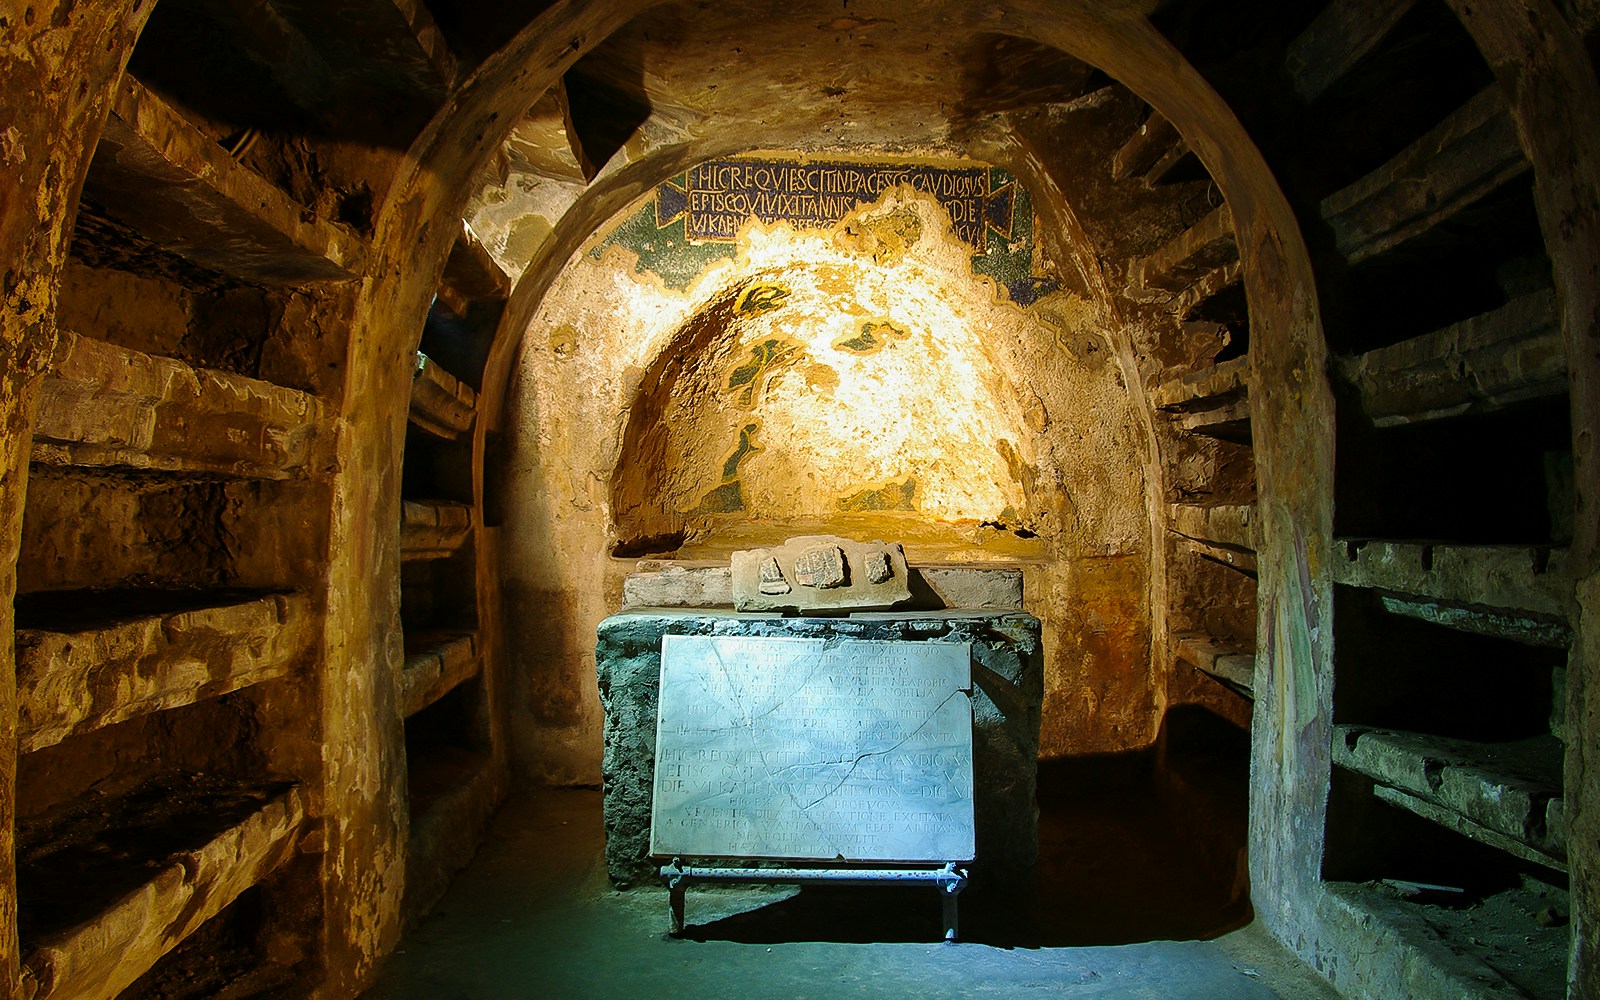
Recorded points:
(772,581)
(821,566)
(821,573)
(878,568)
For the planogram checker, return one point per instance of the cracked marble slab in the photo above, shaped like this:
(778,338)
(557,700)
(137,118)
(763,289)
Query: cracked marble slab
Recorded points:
(813,749)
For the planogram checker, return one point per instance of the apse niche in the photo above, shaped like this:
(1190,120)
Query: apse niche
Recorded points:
(829,392)
(897,362)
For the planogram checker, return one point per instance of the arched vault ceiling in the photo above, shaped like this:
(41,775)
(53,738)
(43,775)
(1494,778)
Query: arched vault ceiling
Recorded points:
(822,75)
(935,79)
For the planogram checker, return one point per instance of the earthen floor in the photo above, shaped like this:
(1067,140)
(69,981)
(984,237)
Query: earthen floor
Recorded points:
(535,916)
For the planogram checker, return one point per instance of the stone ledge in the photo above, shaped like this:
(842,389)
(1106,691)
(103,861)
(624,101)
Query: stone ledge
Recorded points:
(820,572)
(444,835)
(661,584)
(98,959)
(1407,949)
(436,663)
(1207,245)
(678,587)
(1207,388)
(1232,667)
(1230,525)
(1471,153)
(75,678)
(441,404)
(104,405)
(1336,40)
(433,529)
(162,177)
(471,271)
(1509,577)
(1482,364)
(1503,791)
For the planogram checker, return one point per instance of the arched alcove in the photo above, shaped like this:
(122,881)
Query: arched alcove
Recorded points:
(237,435)
(908,363)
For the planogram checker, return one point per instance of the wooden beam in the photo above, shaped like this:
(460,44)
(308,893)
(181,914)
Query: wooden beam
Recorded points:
(78,676)
(104,405)
(160,176)
(1468,155)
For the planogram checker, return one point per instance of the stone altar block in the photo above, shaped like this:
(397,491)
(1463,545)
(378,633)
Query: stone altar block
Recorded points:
(813,750)
(1007,690)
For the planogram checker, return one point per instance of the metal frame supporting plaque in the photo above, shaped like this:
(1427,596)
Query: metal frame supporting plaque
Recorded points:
(813,750)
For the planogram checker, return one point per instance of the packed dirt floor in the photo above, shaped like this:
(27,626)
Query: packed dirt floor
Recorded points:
(1121,907)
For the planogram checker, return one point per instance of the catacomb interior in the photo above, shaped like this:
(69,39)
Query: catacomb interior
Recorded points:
(362,357)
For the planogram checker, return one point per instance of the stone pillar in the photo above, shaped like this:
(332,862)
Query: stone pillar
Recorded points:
(59,64)
(1554,97)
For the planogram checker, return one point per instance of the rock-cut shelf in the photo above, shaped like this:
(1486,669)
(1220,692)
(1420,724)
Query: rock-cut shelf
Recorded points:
(87,935)
(90,659)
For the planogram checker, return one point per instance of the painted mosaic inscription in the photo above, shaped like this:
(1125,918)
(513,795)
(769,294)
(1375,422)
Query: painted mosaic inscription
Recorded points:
(695,217)
(718,197)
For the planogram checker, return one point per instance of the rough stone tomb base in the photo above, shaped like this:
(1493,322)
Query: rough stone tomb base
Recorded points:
(1008,687)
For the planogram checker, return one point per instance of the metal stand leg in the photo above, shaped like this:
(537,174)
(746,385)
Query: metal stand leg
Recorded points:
(951,881)
(676,880)
(948,882)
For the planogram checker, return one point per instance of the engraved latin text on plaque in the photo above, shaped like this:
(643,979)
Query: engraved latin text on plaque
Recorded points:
(813,749)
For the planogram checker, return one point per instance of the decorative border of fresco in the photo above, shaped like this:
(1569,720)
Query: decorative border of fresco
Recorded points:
(694,218)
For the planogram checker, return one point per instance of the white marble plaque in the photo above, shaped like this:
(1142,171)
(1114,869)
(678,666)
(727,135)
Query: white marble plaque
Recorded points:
(813,749)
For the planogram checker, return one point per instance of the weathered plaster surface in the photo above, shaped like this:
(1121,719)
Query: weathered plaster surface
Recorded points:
(1036,369)
(858,370)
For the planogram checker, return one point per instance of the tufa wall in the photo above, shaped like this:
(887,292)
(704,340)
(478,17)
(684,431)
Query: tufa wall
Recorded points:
(1328,297)
(729,363)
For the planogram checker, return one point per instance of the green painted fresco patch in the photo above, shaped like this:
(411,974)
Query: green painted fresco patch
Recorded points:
(663,250)
(895,496)
(764,358)
(874,336)
(743,450)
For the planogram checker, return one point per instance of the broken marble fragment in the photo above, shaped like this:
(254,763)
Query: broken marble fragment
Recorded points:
(821,573)
(878,568)
(772,581)
(821,566)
